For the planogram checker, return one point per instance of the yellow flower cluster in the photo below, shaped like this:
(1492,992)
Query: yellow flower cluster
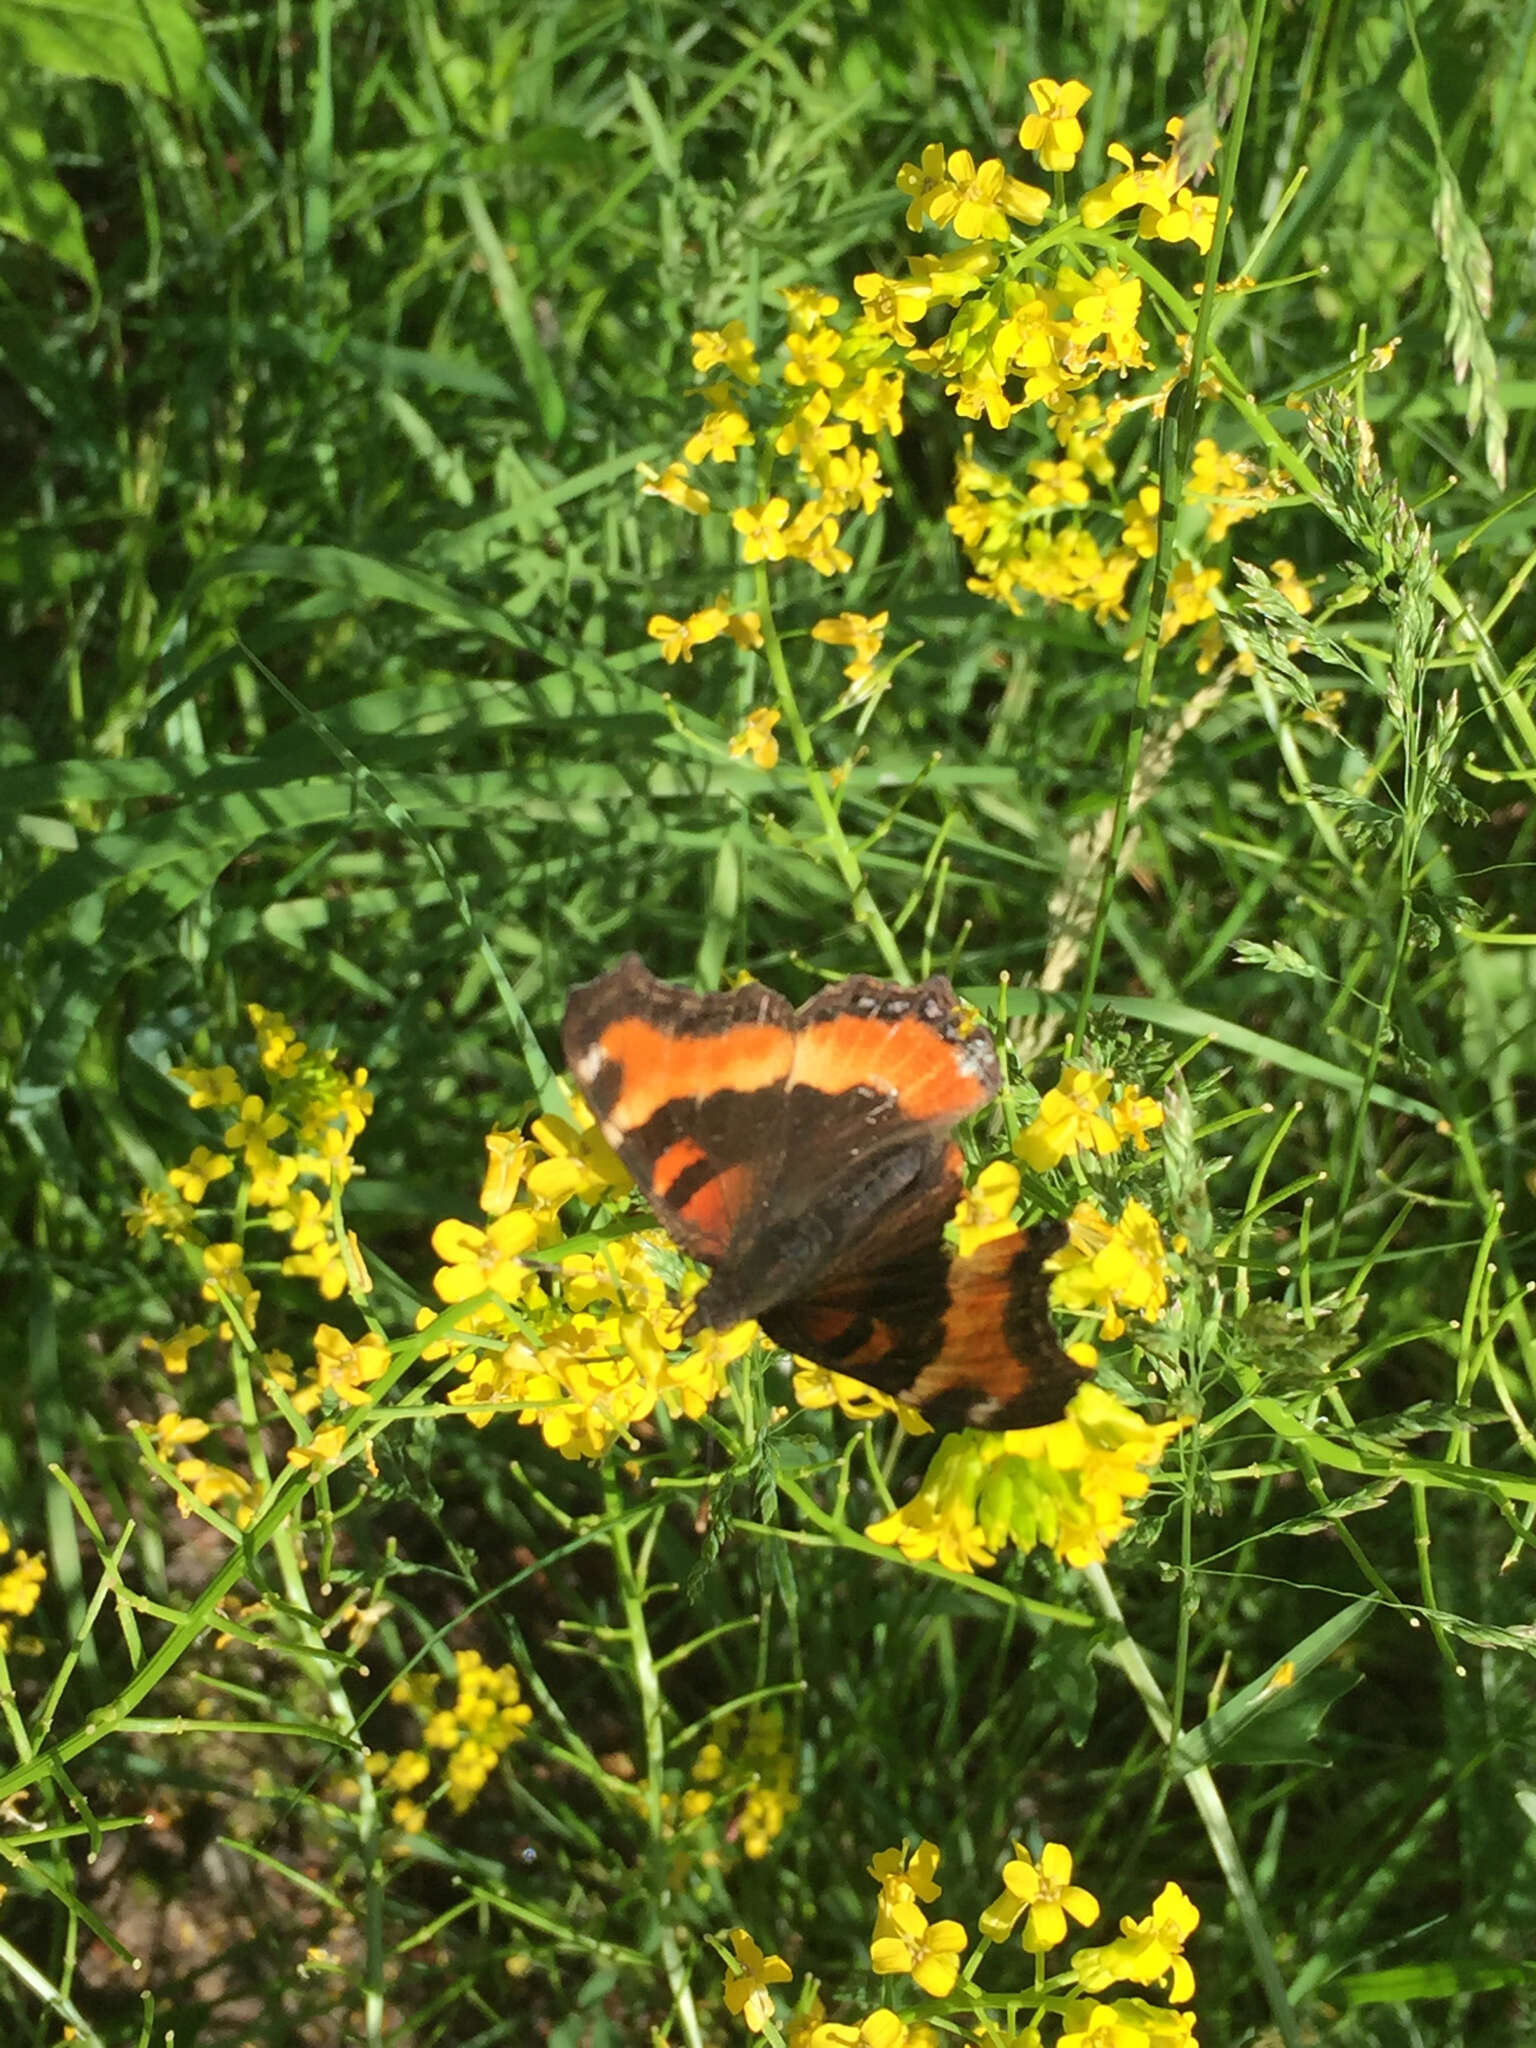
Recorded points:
(302,1130)
(1106,1268)
(1064,1485)
(747,1771)
(581,1344)
(1015,336)
(1041,1891)
(487,1716)
(215,1485)
(21,1587)
(1077,1115)
(289,1150)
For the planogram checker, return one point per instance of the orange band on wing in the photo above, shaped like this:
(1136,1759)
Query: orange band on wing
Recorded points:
(712,1212)
(909,1059)
(658,1069)
(674,1163)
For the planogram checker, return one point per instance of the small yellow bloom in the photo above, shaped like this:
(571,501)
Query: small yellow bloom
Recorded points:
(977,199)
(927,1951)
(508,1157)
(210,1087)
(985,1212)
(1189,599)
(1099,2026)
(1070,1120)
(475,1259)
(755,741)
(1134,1114)
(191,1181)
(746,1987)
(672,484)
(761,527)
(255,1128)
(1044,1893)
(347,1366)
(729,348)
(322,1447)
(921,182)
(173,1350)
(719,435)
(1053,132)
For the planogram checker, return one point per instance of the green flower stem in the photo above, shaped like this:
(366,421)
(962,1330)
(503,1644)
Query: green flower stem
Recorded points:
(865,910)
(1207,1801)
(648,1689)
(49,1994)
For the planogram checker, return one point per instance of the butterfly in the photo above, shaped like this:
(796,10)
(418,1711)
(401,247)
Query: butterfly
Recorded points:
(807,1158)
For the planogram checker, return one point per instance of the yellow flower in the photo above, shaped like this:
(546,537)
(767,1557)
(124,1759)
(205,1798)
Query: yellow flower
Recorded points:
(1282,574)
(1147,1951)
(881,2029)
(729,348)
(874,403)
(679,637)
(210,1087)
(921,182)
(1070,1120)
(1189,599)
(1045,1894)
(904,1878)
(476,1259)
(976,200)
(1138,529)
(672,484)
(21,1585)
(1057,483)
(813,358)
(746,629)
(255,1128)
(191,1181)
(322,1447)
(1099,2026)
(156,1210)
(807,305)
(718,436)
(173,1349)
(761,527)
(890,305)
(508,1157)
(985,1211)
(927,1951)
(755,740)
(1111,1268)
(1134,1114)
(746,1987)
(345,1366)
(576,1162)
(1053,131)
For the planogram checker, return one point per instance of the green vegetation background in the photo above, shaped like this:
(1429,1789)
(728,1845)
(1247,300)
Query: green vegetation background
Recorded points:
(326,374)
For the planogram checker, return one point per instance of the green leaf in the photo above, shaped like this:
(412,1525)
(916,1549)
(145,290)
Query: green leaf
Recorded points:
(1276,1718)
(34,206)
(155,43)
(1433,1980)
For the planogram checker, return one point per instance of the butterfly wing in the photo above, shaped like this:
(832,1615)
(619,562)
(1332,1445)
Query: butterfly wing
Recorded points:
(967,1341)
(881,1074)
(688,1089)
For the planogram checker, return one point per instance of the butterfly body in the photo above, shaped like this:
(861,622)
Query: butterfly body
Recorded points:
(807,1158)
